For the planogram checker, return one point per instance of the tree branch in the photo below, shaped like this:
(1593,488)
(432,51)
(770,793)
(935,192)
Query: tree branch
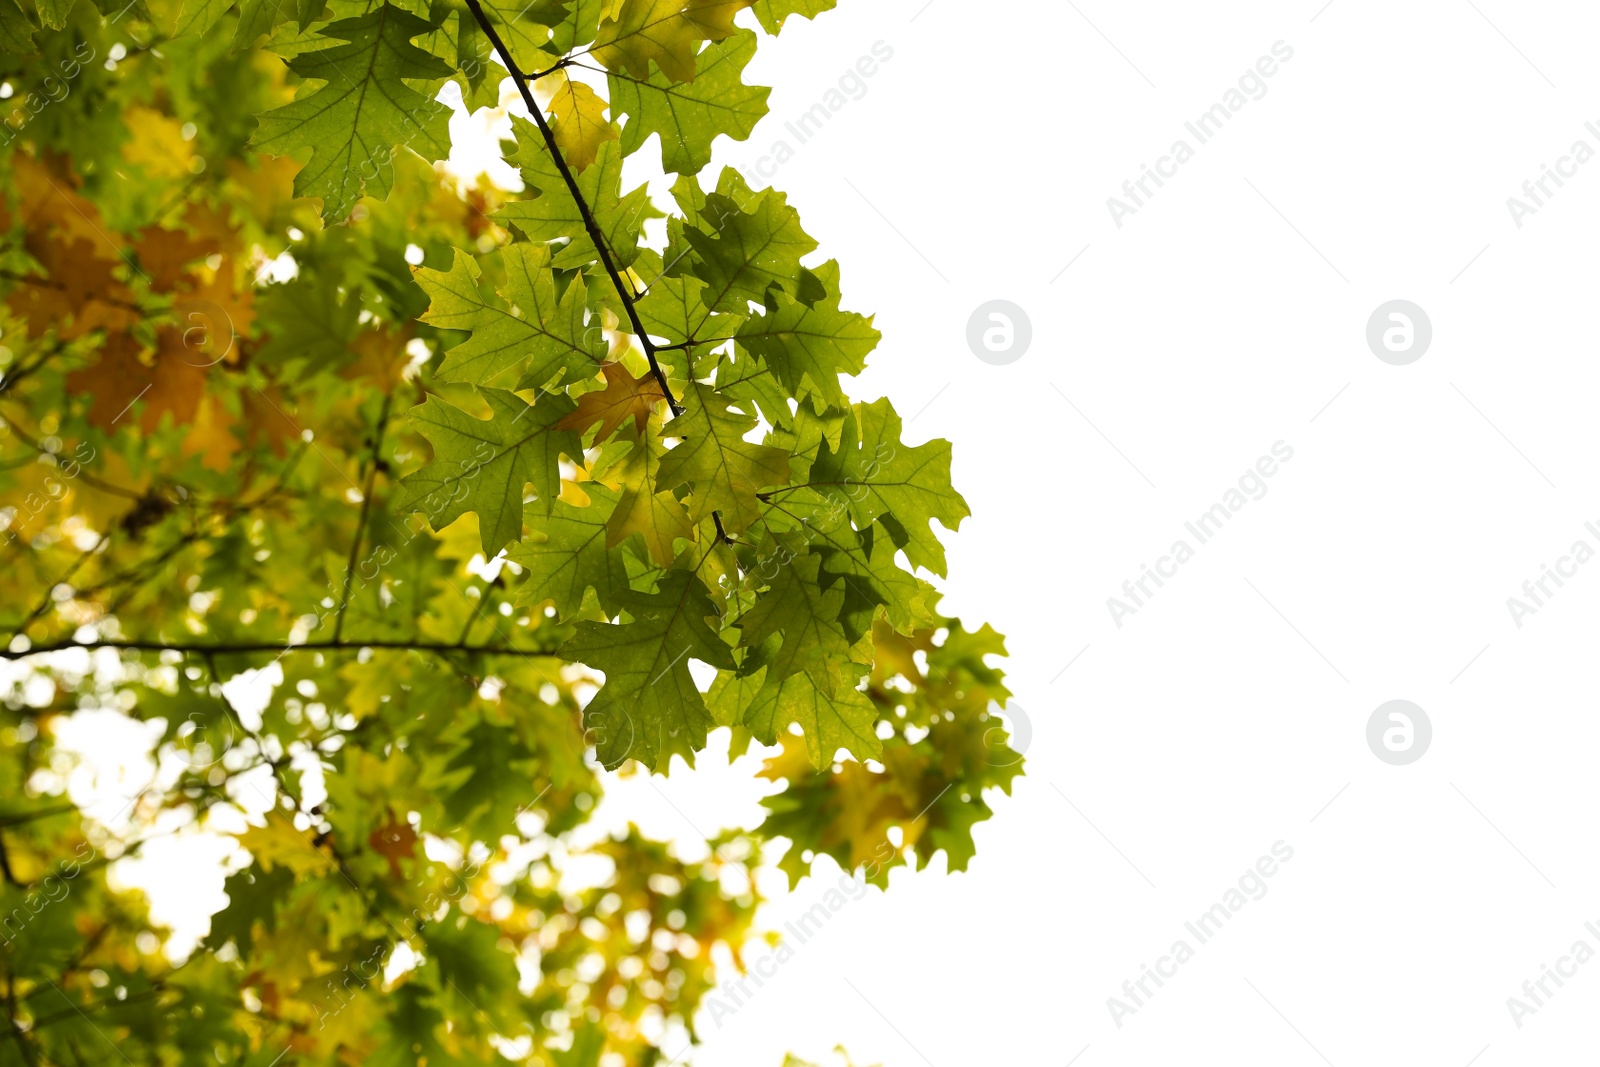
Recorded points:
(50,283)
(366,508)
(589,222)
(49,593)
(241,647)
(5,867)
(83,476)
(20,817)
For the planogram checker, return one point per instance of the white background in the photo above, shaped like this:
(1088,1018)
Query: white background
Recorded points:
(1230,712)
(1207,328)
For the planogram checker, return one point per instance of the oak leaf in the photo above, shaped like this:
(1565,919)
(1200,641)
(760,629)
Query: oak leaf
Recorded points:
(668,32)
(623,397)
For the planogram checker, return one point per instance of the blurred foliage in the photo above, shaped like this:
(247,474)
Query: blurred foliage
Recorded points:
(277,533)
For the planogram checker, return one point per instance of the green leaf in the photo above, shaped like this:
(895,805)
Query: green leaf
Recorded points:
(482,465)
(566,555)
(772,13)
(257,18)
(312,324)
(115,9)
(550,339)
(882,476)
(649,708)
(952,829)
(840,719)
(198,16)
(654,514)
(689,116)
(725,470)
(809,347)
(553,214)
(732,693)
(525,28)
(668,32)
(673,306)
(488,781)
(866,561)
(53,13)
(577,27)
(807,615)
(253,896)
(412,1031)
(744,253)
(16,30)
(363,112)
(476,976)
(588,1045)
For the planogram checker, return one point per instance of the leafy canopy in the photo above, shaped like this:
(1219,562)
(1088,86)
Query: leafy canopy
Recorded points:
(379,517)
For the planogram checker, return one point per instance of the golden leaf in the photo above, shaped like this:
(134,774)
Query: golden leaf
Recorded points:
(49,203)
(78,292)
(381,357)
(395,840)
(157,143)
(579,122)
(266,187)
(657,518)
(165,255)
(279,844)
(623,396)
(170,380)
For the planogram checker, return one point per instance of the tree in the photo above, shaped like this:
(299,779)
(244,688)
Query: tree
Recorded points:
(398,509)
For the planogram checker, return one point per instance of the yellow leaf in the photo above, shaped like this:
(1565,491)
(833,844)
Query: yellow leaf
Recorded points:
(165,255)
(669,32)
(461,539)
(267,186)
(381,357)
(348,1015)
(279,844)
(395,840)
(172,382)
(579,122)
(623,397)
(156,143)
(79,292)
(292,951)
(209,435)
(48,201)
(658,518)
